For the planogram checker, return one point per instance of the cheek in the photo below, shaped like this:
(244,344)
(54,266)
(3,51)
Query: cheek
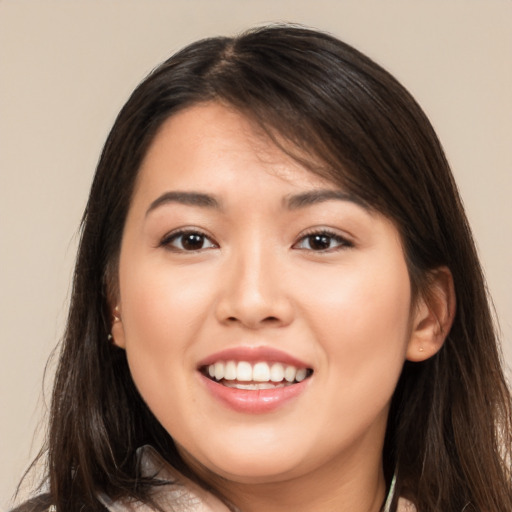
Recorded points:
(163,311)
(162,304)
(362,323)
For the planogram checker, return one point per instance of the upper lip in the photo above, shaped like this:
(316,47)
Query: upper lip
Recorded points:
(253,355)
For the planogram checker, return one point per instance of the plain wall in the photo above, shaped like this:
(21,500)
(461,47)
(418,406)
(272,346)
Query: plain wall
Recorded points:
(67,67)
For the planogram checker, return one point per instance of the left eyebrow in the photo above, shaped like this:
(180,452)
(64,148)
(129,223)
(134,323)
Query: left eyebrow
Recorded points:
(305,199)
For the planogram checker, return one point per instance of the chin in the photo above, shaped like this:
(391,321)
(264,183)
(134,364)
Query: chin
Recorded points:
(254,466)
(256,472)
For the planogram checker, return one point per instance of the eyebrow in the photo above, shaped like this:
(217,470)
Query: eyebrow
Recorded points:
(187,198)
(305,199)
(292,202)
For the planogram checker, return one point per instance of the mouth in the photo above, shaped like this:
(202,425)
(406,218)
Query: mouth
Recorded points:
(260,375)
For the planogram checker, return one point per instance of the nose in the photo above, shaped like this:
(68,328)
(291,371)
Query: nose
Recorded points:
(253,292)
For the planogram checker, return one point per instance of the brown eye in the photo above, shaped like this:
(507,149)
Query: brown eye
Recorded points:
(322,241)
(188,241)
(319,242)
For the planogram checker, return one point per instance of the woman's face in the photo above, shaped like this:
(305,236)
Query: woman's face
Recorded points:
(265,313)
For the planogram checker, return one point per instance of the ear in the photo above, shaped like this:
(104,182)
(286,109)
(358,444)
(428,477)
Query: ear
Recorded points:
(432,316)
(117,331)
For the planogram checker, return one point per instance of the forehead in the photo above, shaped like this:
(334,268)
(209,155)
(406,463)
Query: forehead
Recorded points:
(210,145)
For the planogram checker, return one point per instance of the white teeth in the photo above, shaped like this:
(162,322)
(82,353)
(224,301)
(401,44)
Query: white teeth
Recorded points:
(301,374)
(277,372)
(230,371)
(289,373)
(243,371)
(260,372)
(219,370)
(253,385)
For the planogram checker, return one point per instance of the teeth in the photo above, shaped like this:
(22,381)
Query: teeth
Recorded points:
(230,371)
(261,372)
(219,371)
(289,373)
(301,374)
(260,375)
(253,385)
(277,372)
(243,372)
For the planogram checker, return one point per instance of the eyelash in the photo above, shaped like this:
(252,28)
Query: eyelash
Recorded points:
(341,242)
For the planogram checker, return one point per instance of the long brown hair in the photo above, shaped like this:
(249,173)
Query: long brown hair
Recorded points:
(449,430)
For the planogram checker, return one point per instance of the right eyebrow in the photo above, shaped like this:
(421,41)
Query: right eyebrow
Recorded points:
(187,198)
(313,197)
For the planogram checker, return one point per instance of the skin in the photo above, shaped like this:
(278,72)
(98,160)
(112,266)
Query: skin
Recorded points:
(257,280)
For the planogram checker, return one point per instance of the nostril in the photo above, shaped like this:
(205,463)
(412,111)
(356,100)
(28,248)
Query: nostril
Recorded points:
(254,323)
(266,319)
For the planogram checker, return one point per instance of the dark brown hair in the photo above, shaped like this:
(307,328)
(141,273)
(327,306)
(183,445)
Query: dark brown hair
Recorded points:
(449,430)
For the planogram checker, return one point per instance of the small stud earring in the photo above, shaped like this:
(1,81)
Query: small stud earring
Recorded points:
(421,349)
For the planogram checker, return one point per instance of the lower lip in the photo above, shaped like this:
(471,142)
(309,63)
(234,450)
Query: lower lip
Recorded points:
(256,401)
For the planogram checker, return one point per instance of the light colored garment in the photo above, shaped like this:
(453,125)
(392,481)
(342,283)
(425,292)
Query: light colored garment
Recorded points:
(184,494)
(405,506)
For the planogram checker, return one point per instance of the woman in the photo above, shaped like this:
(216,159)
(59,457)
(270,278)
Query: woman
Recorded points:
(277,302)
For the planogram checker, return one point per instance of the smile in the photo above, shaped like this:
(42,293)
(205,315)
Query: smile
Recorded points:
(255,376)
(254,380)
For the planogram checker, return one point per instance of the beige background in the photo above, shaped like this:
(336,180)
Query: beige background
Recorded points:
(67,67)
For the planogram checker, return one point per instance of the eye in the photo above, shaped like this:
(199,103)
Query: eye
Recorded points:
(322,241)
(188,241)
